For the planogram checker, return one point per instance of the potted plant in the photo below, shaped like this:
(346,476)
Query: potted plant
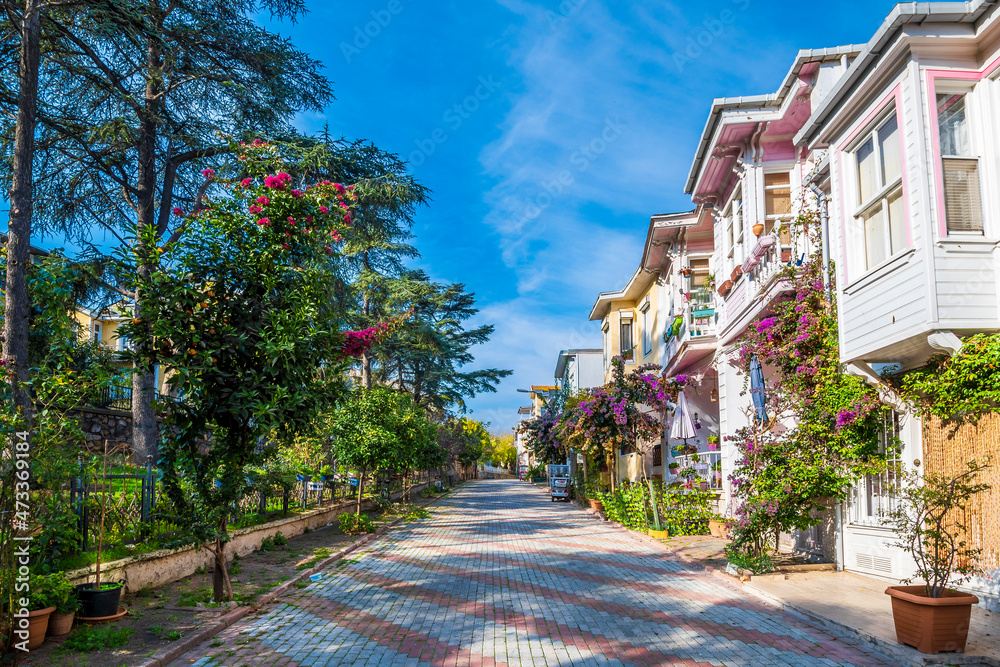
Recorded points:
(716,525)
(725,287)
(713,442)
(100,601)
(737,272)
(686,272)
(44,595)
(64,599)
(932,617)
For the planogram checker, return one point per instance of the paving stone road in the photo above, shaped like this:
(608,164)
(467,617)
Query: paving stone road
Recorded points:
(499,575)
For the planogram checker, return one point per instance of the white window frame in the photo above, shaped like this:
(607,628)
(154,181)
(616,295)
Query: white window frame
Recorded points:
(628,318)
(735,228)
(95,332)
(869,499)
(647,330)
(770,220)
(965,92)
(884,192)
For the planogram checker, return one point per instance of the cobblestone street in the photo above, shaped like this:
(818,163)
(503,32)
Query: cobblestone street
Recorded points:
(499,575)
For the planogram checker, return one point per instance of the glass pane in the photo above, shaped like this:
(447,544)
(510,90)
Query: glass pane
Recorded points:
(875,250)
(867,181)
(777,178)
(777,194)
(625,344)
(888,141)
(953,129)
(897,222)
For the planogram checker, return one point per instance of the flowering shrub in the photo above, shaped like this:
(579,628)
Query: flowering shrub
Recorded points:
(783,477)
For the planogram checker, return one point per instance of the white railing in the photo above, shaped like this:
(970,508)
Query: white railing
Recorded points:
(699,321)
(698,468)
(773,252)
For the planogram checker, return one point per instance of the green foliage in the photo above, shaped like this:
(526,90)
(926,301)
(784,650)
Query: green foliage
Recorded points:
(681,511)
(783,478)
(429,358)
(928,522)
(959,388)
(463,440)
(242,309)
(52,590)
(761,564)
(280,540)
(355,524)
(89,638)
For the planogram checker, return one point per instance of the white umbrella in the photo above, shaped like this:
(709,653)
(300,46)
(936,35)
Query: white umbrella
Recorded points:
(683,426)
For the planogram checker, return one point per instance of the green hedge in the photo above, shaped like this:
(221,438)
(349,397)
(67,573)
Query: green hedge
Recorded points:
(682,511)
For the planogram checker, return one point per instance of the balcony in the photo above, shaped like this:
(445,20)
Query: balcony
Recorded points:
(759,281)
(702,469)
(695,330)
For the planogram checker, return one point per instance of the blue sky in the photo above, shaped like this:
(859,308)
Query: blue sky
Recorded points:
(535,84)
(557,77)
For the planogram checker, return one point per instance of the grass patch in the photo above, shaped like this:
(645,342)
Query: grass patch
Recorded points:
(193,597)
(97,638)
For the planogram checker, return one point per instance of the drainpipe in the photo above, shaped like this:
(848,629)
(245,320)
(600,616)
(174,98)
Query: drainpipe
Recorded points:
(824,220)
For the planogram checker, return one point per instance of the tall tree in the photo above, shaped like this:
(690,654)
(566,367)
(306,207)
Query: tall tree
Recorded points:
(133,120)
(428,357)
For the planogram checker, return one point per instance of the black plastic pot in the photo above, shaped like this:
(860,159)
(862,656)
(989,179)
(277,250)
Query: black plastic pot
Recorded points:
(98,604)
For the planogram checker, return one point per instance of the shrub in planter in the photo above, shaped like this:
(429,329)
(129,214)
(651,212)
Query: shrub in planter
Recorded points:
(933,617)
(99,600)
(64,599)
(47,591)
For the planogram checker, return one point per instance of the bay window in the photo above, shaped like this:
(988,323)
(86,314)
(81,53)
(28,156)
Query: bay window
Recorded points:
(963,208)
(880,192)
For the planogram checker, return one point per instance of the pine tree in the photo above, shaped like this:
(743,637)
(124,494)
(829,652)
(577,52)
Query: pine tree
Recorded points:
(132,120)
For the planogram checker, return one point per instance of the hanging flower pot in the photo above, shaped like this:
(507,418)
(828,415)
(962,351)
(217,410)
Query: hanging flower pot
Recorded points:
(758,228)
(686,272)
(725,287)
(737,272)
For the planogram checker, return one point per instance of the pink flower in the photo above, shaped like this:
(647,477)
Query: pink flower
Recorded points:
(324,209)
(309,218)
(284,246)
(274,182)
(208,173)
(328,250)
(264,222)
(341,190)
(297,194)
(246,182)
(263,201)
(288,234)
(254,209)
(284,178)
(178,211)
(291,220)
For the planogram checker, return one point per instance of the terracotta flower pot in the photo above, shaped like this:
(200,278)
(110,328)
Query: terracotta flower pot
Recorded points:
(596,504)
(758,229)
(725,287)
(735,275)
(61,624)
(38,625)
(715,527)
(928,624)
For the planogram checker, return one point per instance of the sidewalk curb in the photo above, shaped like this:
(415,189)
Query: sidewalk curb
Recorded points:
(904,655)
(167,655)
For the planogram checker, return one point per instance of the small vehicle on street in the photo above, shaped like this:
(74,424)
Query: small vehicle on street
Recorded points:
(560,485)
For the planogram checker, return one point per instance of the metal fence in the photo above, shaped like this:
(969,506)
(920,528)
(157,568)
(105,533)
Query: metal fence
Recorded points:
(134,505)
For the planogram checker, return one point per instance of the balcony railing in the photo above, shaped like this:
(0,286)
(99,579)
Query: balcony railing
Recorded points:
(698,321)
(700,468)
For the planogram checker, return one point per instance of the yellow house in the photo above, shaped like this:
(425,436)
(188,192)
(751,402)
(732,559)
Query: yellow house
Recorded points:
(635,320)
(102,326)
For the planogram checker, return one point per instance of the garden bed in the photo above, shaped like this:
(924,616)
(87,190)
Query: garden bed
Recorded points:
(161,616)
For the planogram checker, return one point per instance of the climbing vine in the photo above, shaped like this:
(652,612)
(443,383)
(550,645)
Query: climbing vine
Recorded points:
(818,430)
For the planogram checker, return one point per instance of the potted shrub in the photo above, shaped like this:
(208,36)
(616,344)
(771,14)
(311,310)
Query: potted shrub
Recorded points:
(64,599)
(100,601)
(45,590)
(932,617)
(716,525)
(713,442)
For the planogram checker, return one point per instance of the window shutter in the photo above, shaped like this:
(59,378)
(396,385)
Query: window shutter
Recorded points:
(962,200)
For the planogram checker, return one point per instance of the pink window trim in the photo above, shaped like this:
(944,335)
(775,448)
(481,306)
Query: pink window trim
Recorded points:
(952,75)
(893,96)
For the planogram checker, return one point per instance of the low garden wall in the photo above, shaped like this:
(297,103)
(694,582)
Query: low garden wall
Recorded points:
(162,567)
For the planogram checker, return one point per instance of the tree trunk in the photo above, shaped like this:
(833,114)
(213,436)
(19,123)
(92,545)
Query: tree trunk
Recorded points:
(16,299)
(361,488)
(144,430)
